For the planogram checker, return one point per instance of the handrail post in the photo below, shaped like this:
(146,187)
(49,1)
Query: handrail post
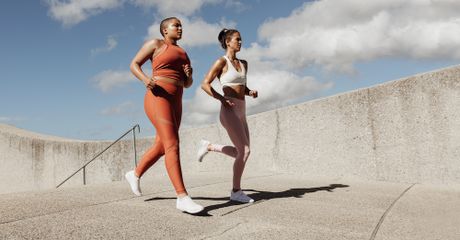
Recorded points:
(134,144)
(84,175)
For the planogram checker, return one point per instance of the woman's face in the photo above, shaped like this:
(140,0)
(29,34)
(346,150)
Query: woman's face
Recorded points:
(234,42)
(174,29)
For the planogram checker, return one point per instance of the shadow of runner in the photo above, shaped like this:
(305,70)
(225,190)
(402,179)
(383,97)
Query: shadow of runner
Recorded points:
(293,192)
(257,195)
(207,209)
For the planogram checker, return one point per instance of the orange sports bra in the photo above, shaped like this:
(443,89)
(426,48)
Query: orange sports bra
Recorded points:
(169,63)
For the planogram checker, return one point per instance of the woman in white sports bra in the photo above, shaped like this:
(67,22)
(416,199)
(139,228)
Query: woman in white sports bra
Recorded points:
(231,72)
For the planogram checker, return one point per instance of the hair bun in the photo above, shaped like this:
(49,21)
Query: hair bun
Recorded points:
(223,35)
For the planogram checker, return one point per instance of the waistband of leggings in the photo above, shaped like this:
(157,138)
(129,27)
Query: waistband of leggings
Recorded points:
(170,81)
(236,99)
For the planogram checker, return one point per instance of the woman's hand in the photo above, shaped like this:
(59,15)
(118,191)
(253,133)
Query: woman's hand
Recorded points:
(188,70)
(253,93)
(227,102)
(150,84)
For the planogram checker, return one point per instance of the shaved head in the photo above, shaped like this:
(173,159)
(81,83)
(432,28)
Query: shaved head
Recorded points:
(164,24)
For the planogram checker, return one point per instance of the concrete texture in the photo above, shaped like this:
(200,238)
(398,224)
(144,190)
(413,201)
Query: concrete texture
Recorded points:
(287,207)
(406,131)
(30,161)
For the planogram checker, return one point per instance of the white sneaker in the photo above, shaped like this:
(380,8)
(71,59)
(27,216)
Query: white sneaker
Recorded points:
(240,196)
(186,204)
(133,181)
(202,149)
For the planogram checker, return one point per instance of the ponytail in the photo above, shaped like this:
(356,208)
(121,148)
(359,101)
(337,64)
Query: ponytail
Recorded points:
(225,35)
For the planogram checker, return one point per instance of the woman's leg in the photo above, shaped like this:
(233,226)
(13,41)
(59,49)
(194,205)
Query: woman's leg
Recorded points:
(150,157)
(225,149)
(166,125)
(234,121)
(237,133)
(168,113)
(164,109)
(154,153)
(204,147)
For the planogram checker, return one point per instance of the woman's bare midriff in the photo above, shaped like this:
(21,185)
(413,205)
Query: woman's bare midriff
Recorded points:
(237,91)
(169,80)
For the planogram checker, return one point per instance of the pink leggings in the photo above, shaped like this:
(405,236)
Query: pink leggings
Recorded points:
(234,121)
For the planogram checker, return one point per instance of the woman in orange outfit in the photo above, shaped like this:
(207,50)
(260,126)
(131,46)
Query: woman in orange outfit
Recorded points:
(163,105)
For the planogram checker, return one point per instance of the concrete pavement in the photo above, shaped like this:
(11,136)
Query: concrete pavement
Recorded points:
(287,207)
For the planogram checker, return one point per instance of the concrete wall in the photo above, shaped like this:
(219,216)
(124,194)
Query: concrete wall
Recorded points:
(407,130)
(30,161)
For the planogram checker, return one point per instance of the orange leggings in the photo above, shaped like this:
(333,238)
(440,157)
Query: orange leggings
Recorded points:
(163,106)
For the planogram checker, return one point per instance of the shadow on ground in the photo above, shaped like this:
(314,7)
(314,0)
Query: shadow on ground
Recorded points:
(258,196)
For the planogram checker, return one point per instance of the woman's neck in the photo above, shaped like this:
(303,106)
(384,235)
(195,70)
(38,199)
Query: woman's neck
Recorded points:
(231,55)
(171,41)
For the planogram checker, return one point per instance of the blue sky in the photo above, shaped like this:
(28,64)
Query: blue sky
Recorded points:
(65,64)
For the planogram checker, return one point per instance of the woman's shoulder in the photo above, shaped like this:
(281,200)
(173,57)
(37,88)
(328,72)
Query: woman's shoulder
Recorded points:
(244,62)
(221,61)
(154,43)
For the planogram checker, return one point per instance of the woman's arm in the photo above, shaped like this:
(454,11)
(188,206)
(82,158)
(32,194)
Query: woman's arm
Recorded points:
(215,70)
(188,73)
(144,54)
(247,91)
(188,70)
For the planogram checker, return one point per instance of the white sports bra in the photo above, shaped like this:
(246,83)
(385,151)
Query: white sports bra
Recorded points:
(232,77)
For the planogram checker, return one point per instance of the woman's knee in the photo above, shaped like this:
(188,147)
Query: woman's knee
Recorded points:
(247,151)
(243,152)
(171,146)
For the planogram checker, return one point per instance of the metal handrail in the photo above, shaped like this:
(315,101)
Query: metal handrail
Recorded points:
(97,155)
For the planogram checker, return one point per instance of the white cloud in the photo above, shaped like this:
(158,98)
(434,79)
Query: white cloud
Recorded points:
(111,44)
(10,120)
(173,8)
(72,12)
(337,33)
(236,5)
(202,108)
(196,32)
(110,79)
(5,119)
(125,108)
(276,88)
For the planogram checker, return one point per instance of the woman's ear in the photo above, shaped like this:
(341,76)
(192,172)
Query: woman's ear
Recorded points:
(165,29)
